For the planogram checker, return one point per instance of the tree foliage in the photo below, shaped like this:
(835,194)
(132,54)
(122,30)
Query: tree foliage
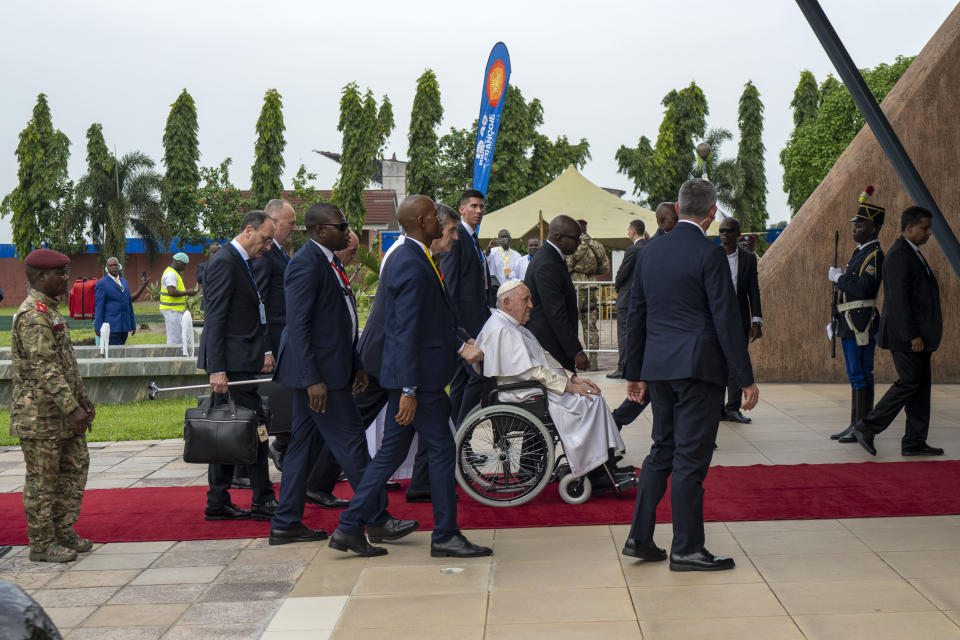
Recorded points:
(658,170)
(365,129)
(821,136)
(751,193)
(181,152)
(724,173)
(423,175)
(222,204)
(806,98)
(456,164)
(265,182)
(42,199)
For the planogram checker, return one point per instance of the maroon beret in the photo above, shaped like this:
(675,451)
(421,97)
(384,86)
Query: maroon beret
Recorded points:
(46,259)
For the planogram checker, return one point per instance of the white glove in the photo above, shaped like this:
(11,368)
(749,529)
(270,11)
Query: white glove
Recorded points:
(834,274)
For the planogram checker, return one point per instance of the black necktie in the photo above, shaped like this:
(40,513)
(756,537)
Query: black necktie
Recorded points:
(483,262)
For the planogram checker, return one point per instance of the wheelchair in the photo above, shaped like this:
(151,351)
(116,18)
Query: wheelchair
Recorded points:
(506,451)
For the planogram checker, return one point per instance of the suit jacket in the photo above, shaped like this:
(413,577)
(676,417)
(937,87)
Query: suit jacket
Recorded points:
(683,321)
(113,306)
(464,276)
(268,272)
(233,340)
(200,269)
(748,288)
(624,278)
(911,301)
(553,319)
(419,323)
(319,343)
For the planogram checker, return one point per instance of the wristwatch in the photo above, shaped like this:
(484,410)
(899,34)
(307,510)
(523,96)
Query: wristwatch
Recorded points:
(410,392)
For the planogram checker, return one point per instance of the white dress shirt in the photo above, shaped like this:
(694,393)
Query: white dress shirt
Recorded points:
(346,295)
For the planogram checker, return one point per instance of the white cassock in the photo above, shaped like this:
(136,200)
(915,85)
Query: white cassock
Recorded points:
(503,264)
(586,427)
(522,266)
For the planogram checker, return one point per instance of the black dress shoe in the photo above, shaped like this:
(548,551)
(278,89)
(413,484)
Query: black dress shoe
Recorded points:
(276,455)
(392,529)
(358,544)
(458,547)
(737,416)
(240,483)
(616,375)
(326,500)
(844,436)
(701,561)
(300,533)
(865,437)
(644,550)
(264,510)
(392,486)
(922,450)
(228,511)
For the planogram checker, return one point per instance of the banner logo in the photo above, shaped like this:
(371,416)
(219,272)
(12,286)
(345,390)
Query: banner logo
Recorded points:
(496,79)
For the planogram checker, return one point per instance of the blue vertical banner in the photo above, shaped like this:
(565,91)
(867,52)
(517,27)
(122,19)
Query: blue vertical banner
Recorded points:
(495,81)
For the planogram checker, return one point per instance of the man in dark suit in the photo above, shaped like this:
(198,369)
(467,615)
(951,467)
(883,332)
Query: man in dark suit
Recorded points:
(911,326)
(684,335)
(553,320)
(234,346)
(419,355)
(318,359)
(211,250)
(467,280)
(746,286)
(622,283)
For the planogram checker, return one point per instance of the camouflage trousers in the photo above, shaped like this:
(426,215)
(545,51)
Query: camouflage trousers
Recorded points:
(588,306)
(53,487)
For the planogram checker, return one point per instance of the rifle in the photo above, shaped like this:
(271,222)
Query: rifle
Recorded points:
(834,316)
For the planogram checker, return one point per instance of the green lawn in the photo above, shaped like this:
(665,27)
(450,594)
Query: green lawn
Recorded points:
(149,306)
(146,420)
(141,337)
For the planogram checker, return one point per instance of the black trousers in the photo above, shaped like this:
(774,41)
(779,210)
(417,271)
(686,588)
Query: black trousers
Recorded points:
(734,392)
(466,391)
(911,392)
(622,310)
(685,423)
(220,475)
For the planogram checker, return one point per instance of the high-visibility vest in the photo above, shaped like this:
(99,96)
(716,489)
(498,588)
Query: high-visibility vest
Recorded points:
(176,303)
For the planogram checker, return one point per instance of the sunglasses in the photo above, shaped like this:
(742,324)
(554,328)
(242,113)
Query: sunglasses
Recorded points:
(341,226)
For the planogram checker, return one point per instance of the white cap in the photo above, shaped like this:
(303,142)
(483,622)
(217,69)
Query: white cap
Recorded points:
(507,287)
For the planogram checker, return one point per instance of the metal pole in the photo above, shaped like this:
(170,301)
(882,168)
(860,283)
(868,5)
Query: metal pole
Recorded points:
(881,128)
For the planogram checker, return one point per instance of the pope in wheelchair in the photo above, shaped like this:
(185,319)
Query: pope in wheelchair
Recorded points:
(506,449)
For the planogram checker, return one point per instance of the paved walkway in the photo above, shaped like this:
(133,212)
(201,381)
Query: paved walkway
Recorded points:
(863,578)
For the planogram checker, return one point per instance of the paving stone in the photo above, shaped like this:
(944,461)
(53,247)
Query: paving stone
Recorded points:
(82,597)
(178,575)
(197,558)
(129,615)
(261,573)
(226,592)
(216,632)
(160,593)
(28,580)
(96,561)
(134,547)
(213,545)
(240,612)
(69,616)
(106,578)
(116,633)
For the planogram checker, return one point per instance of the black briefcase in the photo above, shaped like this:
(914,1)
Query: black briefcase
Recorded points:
(277,401)
(225,434)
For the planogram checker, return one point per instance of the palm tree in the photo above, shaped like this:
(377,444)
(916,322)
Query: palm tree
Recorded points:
(122,195)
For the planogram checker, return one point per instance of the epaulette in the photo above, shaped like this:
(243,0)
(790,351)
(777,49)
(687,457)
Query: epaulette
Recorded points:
(41,307)
(871,269)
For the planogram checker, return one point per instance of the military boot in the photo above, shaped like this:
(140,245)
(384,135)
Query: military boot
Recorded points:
(862,404)
(847,434)
(53,553)
(72,540)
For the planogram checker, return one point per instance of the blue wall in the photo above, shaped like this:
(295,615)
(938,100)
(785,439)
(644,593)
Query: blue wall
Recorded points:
(134,245)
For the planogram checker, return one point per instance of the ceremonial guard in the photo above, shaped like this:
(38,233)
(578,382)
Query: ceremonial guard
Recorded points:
(858,286)
(50,413)
(587,263)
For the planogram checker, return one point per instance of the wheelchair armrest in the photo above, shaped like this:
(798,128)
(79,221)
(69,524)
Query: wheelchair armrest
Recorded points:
(527,384)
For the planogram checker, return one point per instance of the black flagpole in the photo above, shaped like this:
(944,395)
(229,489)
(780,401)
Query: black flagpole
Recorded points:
(881,128)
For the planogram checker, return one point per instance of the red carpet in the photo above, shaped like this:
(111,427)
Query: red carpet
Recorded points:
(787,492)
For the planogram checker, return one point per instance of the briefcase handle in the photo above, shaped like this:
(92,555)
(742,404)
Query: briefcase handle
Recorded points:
(208,404)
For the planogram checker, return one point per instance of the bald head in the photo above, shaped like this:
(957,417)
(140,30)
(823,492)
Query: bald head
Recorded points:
(666,216)
(284,220)
(417,215)
(564,232)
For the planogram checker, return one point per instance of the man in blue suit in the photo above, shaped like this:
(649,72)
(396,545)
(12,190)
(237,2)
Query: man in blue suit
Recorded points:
(114,305)
(467,280)
(318,359)
(419,354)
(683,335)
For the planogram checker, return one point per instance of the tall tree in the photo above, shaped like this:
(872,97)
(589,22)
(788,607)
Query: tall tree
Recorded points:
(221,203)
(423,175)
(659,170)
(806,98)
(456,164)
(181,152)
(38,203)
(265,183)
(724,173)
(818,140)
(752,188)
(365,130)
(100,167)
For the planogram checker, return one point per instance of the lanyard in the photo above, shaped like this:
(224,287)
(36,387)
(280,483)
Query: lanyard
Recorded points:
(435,270)
(505,256)
(250,272)
(343,277)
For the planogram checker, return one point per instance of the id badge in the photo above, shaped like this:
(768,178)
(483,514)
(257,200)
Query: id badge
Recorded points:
(262,432)
(263,314)
(506,271)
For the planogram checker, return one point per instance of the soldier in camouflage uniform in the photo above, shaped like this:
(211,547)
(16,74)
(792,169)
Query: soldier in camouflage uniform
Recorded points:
(587,263)
(50,413)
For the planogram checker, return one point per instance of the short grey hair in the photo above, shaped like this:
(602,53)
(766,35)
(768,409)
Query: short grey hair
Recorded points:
(697,197)
(275,207)
(445,213)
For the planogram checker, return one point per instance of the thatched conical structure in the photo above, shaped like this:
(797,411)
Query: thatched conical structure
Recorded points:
(924,110)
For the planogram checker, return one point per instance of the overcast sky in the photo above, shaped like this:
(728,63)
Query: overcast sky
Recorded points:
(599,67)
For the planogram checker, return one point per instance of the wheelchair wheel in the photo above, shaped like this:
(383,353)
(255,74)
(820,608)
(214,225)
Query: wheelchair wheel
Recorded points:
(575,490)
(505,456)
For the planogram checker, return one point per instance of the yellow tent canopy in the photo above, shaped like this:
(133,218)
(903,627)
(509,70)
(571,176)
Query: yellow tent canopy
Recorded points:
(607,215)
